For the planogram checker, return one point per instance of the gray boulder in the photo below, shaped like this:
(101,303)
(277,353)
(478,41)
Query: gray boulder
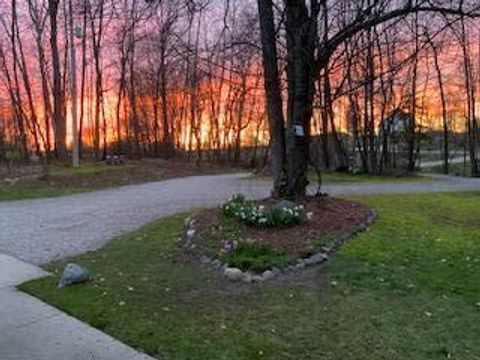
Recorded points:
(233,274)
(74,274)
(284,204)
(268,274)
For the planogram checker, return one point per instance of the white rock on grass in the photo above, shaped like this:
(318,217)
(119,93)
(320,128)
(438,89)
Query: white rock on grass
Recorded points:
(268,274)
(233,274)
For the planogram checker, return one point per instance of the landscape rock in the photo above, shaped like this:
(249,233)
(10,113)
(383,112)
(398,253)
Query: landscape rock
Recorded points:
(315,259)
(233,274)
(300,266)
(205,260)
(74,274)
(257,279)
(268,274)
(284,204)
(247,278)
(217,263)
(291,268)
(276,271)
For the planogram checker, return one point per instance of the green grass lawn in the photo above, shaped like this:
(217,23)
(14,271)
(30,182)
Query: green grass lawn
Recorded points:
(60,184)
(21,191)
(408,288)
(86,169)
(337,177)
(333,177)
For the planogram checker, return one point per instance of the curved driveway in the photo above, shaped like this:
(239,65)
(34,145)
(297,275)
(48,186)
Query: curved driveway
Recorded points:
(38,231)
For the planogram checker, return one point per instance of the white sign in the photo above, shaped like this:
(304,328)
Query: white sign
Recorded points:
(299,131)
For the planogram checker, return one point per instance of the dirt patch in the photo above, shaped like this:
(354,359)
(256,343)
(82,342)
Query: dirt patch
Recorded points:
(132,172)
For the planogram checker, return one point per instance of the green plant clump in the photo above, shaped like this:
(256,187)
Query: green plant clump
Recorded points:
(264,217)
(256,257)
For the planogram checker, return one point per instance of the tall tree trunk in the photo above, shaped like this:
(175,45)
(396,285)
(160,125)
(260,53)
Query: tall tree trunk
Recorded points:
(444,107)
(59,121)
(301,41)
(276,119)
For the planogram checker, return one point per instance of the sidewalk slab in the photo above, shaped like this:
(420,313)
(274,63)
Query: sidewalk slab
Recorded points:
(33,330)
(13,272)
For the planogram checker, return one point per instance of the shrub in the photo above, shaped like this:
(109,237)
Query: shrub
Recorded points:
(256,257)
(260,216)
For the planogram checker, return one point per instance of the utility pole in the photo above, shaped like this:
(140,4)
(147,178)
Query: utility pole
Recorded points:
(73,84)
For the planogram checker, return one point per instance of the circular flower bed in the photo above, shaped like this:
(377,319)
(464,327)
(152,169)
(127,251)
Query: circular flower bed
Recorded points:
(256,241)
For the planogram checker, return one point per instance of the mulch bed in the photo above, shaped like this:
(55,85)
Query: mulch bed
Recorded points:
(331,217)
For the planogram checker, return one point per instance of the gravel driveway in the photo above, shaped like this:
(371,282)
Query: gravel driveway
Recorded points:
(38,231)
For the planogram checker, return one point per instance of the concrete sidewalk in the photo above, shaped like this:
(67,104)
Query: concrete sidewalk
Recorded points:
(33,330)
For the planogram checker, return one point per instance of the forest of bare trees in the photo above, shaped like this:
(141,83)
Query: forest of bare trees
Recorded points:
(337,84)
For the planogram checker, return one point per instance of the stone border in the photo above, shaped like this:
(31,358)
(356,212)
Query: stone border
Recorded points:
(235,274)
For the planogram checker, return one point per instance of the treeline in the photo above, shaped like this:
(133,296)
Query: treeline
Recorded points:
(155,78)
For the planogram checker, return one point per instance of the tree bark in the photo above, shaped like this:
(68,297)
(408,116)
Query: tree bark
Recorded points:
(274,96)
(59,121)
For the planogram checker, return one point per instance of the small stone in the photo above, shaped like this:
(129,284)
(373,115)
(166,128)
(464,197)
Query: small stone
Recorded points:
(247,278)
(276,271)
(233,274)
(74,274)
(217,263)
(300,266)
(204,259)
(257,279)
(315,259)
(268,274)
(190,233)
